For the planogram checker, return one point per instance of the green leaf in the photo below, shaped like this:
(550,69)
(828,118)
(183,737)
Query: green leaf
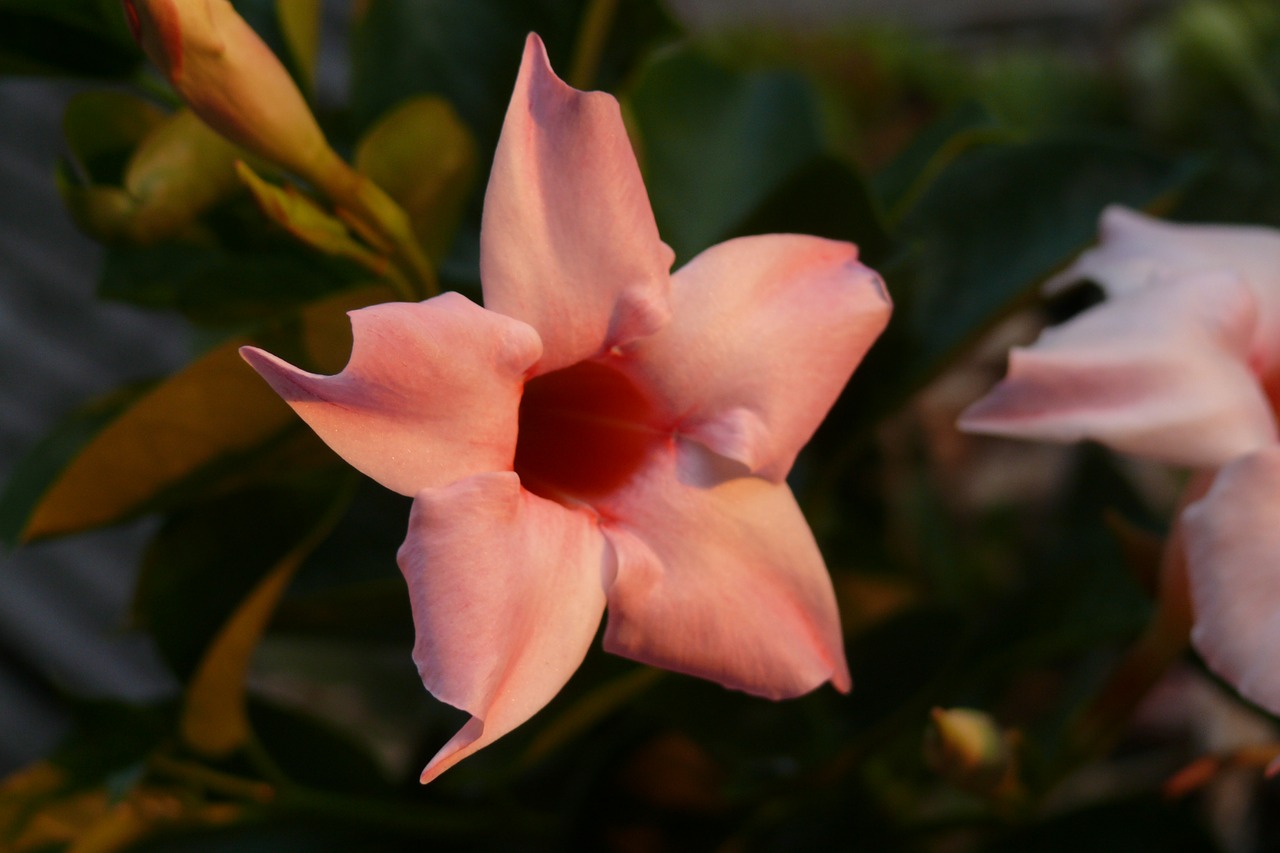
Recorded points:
(1003,218)
(828,198)
(988,230)
(426,159)
(716,143)
(467,53)
(266,534)
(312,835)
(109,736)
(1144,822)
(369,611)
(900,184)
(209,584)
(75,37)
(179,169)
(44,463)
(313,752)
(222,286)
(185,435)
(305,219)
(300,24)
(103,128)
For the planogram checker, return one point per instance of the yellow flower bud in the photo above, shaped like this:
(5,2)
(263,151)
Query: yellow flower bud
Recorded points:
(232,80)
(967,748)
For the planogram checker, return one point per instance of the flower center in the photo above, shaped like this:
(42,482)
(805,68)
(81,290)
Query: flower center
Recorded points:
(583,431)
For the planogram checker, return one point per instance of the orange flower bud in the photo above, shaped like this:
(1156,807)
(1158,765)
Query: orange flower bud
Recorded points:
(232,80)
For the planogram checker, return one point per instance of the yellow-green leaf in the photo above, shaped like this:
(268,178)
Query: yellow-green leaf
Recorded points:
(215,718)
(178,169)
(214,412)
(425,158)
(300,23)
(103,127)
(303,218)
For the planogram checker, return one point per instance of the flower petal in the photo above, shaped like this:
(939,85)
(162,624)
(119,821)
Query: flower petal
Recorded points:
(722,582)
(1233,539)
(568,242)
(430,395)
(1161,372)
(1135,250)
(765,332)
(507,593)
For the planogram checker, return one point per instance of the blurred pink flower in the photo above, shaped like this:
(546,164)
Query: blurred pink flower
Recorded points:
(1181,364)
(601,432)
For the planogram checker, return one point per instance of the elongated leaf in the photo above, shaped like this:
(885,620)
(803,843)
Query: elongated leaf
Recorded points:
(300,23)
(305,219)
(271,531)
(102,130)
(149,450)
(901,183)
(998,221)
(426,159)
(221,286)
(716,143)
(44,463)
(466,52)
(76,37)
(312,752)
(178,170)
(1004,217)
(827,198)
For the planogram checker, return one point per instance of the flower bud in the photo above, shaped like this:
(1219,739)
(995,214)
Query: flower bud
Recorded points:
(967,748)
(232,80)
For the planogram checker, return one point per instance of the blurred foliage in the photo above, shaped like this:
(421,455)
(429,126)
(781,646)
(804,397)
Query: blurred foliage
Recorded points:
(967,174)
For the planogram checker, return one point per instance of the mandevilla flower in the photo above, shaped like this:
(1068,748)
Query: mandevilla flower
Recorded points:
(1181,364)
(601,432)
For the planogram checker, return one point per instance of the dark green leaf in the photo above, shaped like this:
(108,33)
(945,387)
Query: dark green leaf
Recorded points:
(314,753)
(827,198)
(75,37)
(220,286)
(295,836)
(208,557)
(1001,219)
(932,150)
(997,222)
(108,736)
(1119,826)
(44,463)
(716,143)
(103,128)
(466,52)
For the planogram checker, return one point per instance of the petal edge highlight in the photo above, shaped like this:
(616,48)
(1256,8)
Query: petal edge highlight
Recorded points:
(507,593)
(568,242)
(724,583)
(765,333)
(1233,539)
(430,394)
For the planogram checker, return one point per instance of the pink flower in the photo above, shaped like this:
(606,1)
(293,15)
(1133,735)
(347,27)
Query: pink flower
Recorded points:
(602,432)
(1181,364)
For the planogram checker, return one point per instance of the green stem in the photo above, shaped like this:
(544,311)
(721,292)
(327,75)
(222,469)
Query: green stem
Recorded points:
(377,217)
(591,41)
(214,781)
